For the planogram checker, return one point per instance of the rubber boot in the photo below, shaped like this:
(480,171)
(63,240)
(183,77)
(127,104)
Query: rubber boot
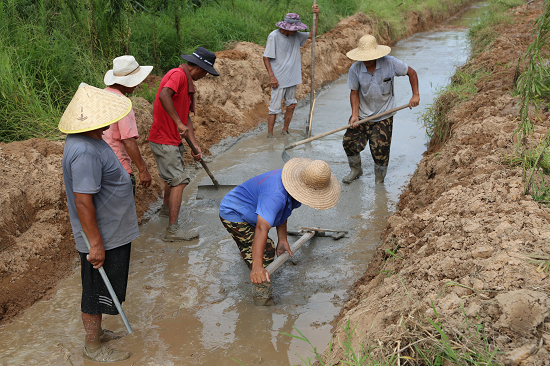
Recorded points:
(356,170)
(380,173)
(105,354)
(173,235)
(262,294)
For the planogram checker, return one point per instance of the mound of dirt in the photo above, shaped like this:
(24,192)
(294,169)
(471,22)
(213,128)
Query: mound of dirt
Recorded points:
(464,234)
(36,243)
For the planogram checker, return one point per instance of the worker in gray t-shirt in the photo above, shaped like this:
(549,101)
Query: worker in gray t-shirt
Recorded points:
(101,205)
(371,82)
(284,66)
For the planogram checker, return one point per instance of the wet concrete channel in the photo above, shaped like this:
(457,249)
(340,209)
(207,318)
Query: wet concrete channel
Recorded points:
(190,303)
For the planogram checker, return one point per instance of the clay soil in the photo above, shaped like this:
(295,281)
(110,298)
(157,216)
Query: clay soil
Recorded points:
(462,234)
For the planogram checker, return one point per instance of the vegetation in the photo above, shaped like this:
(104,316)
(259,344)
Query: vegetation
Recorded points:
(533,88)
(463,84)
(48,47)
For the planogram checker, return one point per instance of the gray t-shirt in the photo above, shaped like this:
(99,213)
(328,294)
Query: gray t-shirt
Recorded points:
(284,55)
(90,166)
(375,94)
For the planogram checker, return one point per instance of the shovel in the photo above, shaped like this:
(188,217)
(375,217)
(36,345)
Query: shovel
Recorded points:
(215,192)
(286,157)
(312,100)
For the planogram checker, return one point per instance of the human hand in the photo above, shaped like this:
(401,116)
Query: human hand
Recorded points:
(415,100)
(274,82)
(352,120)
(283,246)
(96,256)
(184,131)
(145,178)
(315,8)
(259,275)
(198,156)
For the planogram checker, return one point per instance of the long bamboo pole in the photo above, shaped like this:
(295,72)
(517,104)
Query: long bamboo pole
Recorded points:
(312,94)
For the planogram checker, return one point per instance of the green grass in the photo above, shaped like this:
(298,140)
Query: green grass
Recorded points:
(48,47)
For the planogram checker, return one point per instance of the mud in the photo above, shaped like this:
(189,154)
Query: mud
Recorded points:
(463,231)
(36,244)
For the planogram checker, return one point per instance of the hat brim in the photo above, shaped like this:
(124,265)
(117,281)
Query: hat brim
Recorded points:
(200,63)
(358,54)
(129,80)
(291,26)
(318,199)
(92,108)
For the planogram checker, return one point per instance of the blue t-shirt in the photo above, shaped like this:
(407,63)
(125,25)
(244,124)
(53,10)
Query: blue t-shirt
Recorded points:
(263,195)
(90,166)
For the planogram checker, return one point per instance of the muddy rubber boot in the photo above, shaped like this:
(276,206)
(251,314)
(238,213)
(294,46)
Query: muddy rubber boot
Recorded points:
(270,135)
(380,173)
(173,235)
(284,133)
(262,294)
(356,170)
(105,354)
(164,211)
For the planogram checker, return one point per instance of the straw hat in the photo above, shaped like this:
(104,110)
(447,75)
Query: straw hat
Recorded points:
(126,71)
(92,108)
(368,49)
(311,183)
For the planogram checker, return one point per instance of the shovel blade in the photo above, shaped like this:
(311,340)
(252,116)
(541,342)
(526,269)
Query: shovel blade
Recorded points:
(212,192)
(285,156)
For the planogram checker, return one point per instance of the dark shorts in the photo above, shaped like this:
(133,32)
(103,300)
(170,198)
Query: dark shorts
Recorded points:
(376,134)
(243,234)
(95,296)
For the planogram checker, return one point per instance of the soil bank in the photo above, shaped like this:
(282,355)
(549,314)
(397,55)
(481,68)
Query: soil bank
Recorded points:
(462,233)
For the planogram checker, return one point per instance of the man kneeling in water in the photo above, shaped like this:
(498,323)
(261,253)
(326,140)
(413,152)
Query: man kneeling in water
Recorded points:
(266,201)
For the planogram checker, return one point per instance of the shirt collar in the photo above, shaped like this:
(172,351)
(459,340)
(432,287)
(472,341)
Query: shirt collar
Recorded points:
(364,68)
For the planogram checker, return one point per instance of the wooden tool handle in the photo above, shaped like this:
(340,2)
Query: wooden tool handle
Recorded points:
(192,146)
(284,257)
(345,127)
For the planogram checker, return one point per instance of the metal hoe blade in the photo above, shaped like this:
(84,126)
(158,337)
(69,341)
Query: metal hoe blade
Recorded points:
(213,192)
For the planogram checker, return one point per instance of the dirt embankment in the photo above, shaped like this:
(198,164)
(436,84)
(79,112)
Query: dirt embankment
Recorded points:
(36,243)
(462,234)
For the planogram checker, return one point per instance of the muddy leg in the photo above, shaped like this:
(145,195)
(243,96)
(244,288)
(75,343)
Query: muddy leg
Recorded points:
(288,117)
(270,124)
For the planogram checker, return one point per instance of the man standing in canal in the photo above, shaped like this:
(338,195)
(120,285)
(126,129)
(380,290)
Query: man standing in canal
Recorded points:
(372,92)
(284,66)
(101,204)
(123,79)
(174,101)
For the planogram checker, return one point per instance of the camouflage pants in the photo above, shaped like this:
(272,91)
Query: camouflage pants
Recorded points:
(243,234)
(377,134)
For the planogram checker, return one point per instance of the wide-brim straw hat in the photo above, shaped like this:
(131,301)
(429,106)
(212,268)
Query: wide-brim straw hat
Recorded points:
(92,108)
(292,22)
(311,182)
(368,49)
(126,71)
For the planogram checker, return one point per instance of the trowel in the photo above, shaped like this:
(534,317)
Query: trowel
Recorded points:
(215,192)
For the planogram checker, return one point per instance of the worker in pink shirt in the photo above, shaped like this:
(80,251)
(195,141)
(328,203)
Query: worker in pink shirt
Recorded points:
(125,76)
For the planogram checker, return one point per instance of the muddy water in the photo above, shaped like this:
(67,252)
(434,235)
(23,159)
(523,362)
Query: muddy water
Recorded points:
(190,303)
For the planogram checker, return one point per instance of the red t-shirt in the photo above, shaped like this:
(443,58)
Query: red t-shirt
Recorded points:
(164,130)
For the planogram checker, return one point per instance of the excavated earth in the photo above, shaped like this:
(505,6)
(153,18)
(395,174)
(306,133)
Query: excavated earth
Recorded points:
(457,249)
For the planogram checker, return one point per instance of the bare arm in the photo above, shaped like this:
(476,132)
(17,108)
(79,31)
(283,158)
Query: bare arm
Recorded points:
(132,149)
(259,274)
(85,210)
(272,79)
(413,79)
(354,101)
(282,245)
(167,103)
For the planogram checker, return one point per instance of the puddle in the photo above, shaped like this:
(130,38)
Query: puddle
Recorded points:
(191,304)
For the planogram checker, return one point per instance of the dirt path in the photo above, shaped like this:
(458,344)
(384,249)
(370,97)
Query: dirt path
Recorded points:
(462,232)
(36,244)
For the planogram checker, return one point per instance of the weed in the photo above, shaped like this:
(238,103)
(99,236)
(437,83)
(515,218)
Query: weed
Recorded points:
(542,260)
